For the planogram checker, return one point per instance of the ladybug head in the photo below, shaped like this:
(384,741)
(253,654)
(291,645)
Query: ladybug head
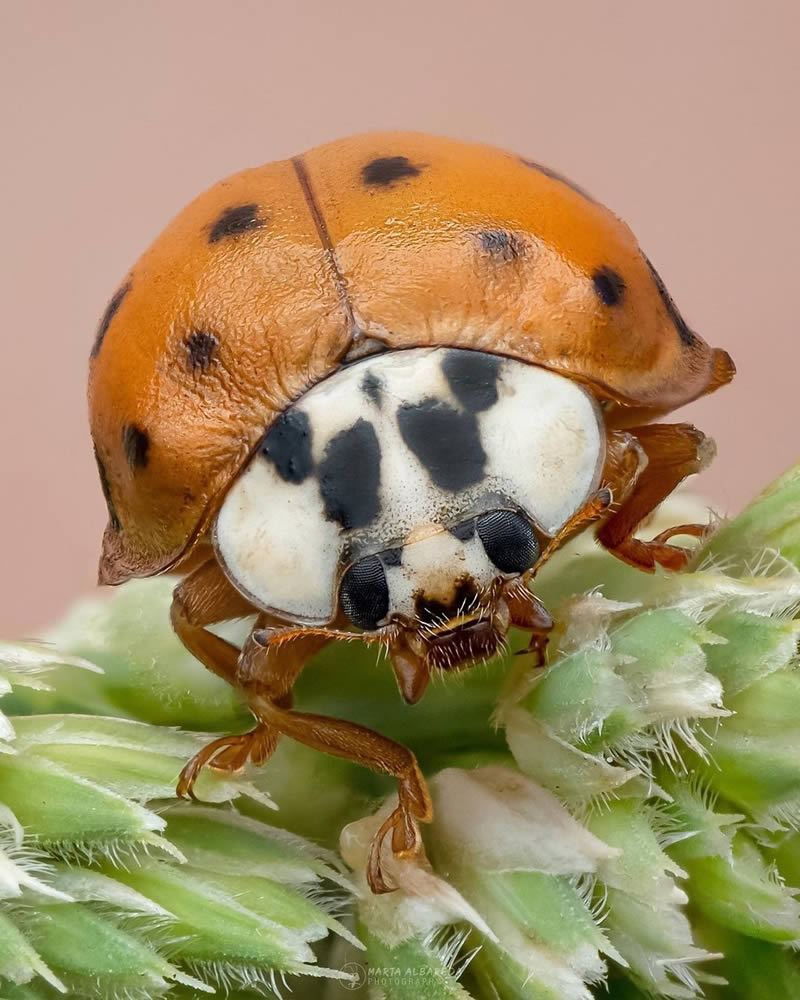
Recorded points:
(443,587)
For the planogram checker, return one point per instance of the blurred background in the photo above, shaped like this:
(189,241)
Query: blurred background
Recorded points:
(681,116)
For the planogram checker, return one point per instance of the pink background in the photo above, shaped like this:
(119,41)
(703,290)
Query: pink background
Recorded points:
(682,116)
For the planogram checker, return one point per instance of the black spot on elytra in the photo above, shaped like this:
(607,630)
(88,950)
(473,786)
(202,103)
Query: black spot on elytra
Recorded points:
(392,557)
(385,170)
(136,445)
(108,315)
(688,338)
(372,387)
(200,348)
(106,488)
(501,244)
(287,445)
(350,475)
(464,531)
(446,441)
(472,377)
(235,220)
(609,285)
(556,176)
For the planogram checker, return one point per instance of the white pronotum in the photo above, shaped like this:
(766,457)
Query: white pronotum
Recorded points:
(390,453)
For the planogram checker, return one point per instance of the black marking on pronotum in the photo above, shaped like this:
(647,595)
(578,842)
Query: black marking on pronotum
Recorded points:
(464,531)
(385,170)
(106,488)
(108,315)
(350,475)
(372,387)
(446,441)
(556,176)
(472,377)
(287,445)
(392,557)
(136,445)
(609,285)
(501,244)
(200,348)
(688,338)
(235,220)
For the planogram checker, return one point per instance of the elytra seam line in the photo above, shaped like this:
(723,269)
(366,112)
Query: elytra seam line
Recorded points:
(325,239)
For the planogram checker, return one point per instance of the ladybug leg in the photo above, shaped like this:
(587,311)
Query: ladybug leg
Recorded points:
(673,452)
(204,598)
(228,753)
(693,530)
(595,508)
(269,684)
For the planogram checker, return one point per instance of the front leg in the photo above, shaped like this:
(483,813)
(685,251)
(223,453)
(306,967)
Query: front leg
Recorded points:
(265,670)
(269,693)
(206,597)
(673,452)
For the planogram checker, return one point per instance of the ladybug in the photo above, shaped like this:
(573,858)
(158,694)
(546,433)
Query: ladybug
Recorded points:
(366,393)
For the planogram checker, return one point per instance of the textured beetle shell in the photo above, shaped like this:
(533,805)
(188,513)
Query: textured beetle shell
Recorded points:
(259,288)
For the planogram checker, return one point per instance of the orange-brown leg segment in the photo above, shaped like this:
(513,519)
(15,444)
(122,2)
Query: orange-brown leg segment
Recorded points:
(370,749)
(673,451)
(594,508)
(203,598)
(270,689)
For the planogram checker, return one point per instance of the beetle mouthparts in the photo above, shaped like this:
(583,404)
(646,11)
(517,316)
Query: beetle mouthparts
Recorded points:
(456,647)
(474,628)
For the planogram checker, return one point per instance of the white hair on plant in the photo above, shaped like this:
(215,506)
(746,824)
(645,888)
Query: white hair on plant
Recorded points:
(447,945)
(124,853)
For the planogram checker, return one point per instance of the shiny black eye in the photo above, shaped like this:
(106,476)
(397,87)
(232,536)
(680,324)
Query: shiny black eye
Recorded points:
(364,593)
(509,540)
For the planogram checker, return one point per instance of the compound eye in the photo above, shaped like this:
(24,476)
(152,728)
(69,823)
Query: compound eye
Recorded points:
(364,593)
(509,540)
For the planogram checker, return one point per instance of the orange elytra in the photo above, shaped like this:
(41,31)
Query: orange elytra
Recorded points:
(259,288)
